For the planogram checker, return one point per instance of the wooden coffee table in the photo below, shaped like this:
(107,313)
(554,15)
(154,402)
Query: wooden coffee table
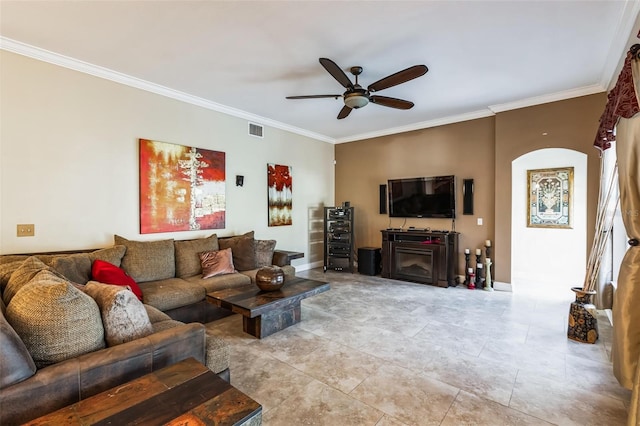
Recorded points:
(186,393)
(267,312)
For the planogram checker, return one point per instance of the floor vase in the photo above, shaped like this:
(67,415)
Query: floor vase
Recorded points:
(583,324)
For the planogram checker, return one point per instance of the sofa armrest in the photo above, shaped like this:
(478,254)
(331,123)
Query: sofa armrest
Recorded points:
(284,257)
(70,381)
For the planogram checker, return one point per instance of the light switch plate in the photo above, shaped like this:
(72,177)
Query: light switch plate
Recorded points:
(26,230)
(479,221)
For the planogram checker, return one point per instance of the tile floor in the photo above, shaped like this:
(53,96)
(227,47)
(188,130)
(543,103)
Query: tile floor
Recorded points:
(373,351)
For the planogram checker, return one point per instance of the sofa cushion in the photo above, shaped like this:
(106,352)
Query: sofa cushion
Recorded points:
(155,315)
(218,355)
(17,364)
(171,293)
(108,273)
(165,325)
(112,254)
(6,269)
(22,275)
(75,267)
(123,316)
(187,260)
(55,320)
(9,258)
(243,249)
(218,262)
(148,260)
(264,252)
(220,282)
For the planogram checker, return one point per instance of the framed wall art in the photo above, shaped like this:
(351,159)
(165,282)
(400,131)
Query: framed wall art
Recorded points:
(549,197)
(280,194)
(182,188)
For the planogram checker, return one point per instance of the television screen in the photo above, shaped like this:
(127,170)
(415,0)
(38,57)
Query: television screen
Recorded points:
(433,197)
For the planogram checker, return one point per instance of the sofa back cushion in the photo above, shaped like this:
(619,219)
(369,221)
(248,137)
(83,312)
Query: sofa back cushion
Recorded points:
(113,254)
(243,249)
(187,251)
(55,320)
(6,270)
(17,364)
(75,267)
(148,260)
(124,317)
(22,275)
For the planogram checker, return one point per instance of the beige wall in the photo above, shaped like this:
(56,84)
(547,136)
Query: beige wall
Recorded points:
(464,149)
(481,150)
(69,160)
(569,124)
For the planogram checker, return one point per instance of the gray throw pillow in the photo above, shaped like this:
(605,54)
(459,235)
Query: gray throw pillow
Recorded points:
(148,260)
(264,252)
(123,316)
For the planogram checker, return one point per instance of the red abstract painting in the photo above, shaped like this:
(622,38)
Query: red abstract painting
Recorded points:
(280,194)
(182,188)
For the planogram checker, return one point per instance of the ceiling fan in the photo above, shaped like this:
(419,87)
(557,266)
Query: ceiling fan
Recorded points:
(356,96)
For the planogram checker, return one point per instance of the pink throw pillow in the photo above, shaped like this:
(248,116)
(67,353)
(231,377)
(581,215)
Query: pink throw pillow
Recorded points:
(218,262)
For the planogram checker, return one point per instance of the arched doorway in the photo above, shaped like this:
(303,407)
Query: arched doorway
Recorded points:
(548,261)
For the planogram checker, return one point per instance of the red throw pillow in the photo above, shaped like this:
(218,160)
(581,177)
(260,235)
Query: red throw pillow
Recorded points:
(108,273)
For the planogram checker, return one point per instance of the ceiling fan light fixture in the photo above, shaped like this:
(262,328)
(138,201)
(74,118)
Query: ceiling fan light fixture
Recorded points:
(355,100)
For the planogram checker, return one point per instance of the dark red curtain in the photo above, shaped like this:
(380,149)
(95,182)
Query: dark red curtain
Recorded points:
(621,102)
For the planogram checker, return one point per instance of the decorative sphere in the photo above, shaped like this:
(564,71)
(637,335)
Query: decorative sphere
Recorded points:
(270,278)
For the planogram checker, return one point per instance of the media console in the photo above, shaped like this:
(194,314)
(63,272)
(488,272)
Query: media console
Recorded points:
(427,257)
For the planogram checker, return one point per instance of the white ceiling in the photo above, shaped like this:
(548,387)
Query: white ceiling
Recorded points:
(244,57)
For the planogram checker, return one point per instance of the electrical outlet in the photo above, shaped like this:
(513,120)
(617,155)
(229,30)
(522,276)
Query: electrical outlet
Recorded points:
(28,230)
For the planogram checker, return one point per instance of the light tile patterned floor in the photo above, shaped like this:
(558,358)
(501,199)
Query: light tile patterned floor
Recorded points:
(380,352)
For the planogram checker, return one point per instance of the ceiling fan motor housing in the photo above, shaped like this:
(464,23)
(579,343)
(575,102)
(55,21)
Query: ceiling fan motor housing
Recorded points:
(356,99)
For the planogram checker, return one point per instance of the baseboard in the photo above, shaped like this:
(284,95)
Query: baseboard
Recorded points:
(307,266)
(498,286)
(609,314)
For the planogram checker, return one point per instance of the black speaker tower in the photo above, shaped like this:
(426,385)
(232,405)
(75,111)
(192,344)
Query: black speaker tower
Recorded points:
(467,196)
(383,199)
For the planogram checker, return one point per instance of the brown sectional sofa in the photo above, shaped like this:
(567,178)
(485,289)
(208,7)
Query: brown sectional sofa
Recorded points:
(170,277)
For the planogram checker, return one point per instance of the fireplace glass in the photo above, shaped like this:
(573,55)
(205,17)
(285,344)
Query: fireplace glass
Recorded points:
(413,264)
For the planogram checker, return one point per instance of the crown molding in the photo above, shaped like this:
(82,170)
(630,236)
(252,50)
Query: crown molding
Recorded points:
(627,21)
(622,40)
(417,126)
(117,77)
(544,99)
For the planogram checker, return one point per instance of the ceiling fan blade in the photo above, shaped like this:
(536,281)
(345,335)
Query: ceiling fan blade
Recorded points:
(391,102)
(344,112)
(398,78)
(336,72)
(314,96)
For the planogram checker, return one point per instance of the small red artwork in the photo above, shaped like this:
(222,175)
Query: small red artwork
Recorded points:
(280,194)
(182,188)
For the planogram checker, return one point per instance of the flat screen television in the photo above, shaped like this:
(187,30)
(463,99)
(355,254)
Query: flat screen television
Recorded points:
(431,197)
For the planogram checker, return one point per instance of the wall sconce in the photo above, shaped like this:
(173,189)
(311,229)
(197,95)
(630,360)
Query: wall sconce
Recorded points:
(239,180)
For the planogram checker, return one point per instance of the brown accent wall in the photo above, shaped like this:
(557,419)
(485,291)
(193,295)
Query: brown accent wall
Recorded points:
(464,149)
(480,149)
(570,124)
